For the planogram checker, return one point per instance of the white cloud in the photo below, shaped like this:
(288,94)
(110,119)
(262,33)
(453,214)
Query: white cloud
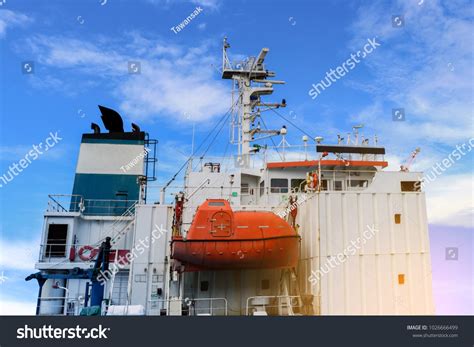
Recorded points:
(17,308)
(211,4)
(16,152)
(175,81)
(450,200)
(18,254)
(9,19)
(424,67)
(207,3)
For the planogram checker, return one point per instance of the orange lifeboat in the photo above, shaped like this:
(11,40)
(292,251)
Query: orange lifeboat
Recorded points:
(221,239)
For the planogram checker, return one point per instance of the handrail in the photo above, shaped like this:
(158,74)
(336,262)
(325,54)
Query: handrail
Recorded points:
(61,251)
(91,207)
(68,306)
(128,213)
(62,207)
(278,297)
(191,304)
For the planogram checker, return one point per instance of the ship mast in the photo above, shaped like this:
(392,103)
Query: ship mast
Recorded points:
(250,78)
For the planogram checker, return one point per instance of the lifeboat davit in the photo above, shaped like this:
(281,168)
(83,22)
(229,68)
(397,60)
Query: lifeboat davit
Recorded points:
(221,239)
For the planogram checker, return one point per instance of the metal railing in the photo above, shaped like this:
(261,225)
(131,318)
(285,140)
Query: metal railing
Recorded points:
(93,207)
(190,307)
(58,306)
(100,207)
(59,252)
(346,174)
(273,305)
(306,152)
(53,250)
(65,203)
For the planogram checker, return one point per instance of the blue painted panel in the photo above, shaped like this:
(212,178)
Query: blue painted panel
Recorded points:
(123,189)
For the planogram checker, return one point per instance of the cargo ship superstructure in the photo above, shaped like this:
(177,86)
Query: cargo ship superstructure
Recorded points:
(312,229)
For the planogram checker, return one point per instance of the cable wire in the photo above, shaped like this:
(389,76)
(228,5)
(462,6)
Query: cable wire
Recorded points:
(293,124)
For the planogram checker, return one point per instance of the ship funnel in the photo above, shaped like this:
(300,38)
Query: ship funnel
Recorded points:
(135,128)
(112,120)
(96,128)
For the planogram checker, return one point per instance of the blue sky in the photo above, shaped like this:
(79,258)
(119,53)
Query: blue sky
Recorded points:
(81,50)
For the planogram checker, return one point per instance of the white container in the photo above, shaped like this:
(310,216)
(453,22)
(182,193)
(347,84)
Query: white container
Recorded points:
(386,271)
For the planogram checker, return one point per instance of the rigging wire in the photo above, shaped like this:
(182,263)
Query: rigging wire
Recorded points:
(225,155)
(214,138)
(297,127)
(271,138)
(222,119)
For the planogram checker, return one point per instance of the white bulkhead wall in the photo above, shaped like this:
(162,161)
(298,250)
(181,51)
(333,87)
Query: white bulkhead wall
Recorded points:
(151,249)
(234,285)
(88,231)
(390,273)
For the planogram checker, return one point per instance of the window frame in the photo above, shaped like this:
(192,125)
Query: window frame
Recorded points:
(279,189)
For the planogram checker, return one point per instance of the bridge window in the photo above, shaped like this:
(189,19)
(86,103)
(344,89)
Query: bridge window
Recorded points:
(410,186)
(324,184)
(358,183)
(244,188)
(337,185)
(279,185)
(56,242)
(296,185)
(262,188)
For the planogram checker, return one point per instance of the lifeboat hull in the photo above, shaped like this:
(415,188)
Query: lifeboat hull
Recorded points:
(251,254)
(221,239)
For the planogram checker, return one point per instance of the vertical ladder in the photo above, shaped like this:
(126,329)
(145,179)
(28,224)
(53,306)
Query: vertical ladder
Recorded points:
(285,300)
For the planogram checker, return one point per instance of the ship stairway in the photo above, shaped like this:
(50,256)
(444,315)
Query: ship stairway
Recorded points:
(122,225)
(288,302)
(112,280)
(120,228)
